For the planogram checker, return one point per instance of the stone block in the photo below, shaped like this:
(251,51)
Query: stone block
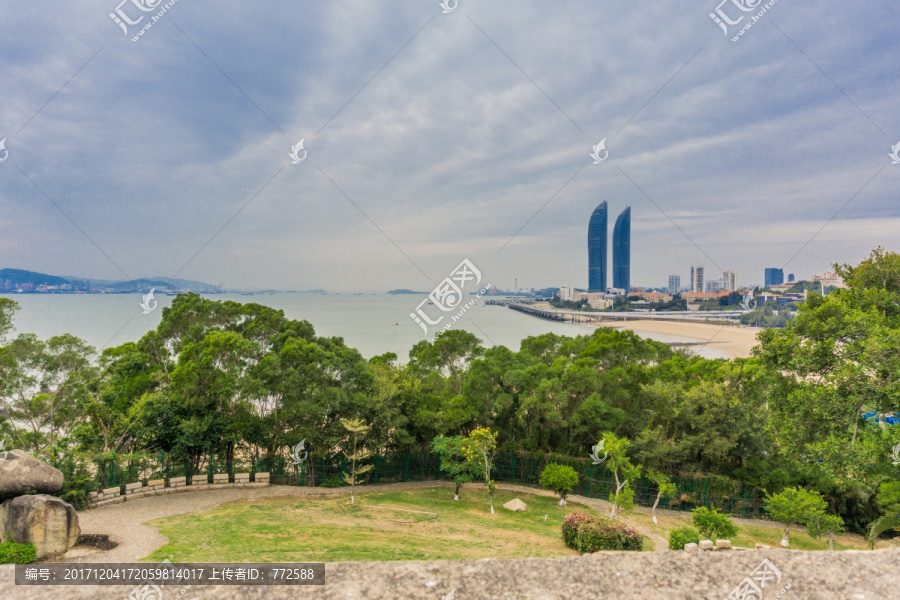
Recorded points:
(261,478)
(113,491)
(220,478)
(516,505)
(133,486)
(47,522)
(723,544)
(21,473)
(692,547)
(706,545)
(762,546)
(156,483)
(177,481)
(242,477)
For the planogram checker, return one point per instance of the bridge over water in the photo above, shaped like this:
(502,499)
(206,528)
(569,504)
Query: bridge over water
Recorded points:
(720,317)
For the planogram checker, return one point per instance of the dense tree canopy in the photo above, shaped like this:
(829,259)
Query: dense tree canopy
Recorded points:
(239,380)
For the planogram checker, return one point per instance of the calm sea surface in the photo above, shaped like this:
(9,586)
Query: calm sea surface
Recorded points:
(373,324)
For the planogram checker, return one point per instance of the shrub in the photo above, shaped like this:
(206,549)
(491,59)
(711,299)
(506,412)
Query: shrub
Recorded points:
(713,525)
(606,534)
(560,479)
(570,527)
(332,482)
(12,553)
(77,498)
(685,535)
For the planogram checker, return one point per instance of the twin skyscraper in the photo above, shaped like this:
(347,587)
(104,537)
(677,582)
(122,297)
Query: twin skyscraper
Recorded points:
(621,250)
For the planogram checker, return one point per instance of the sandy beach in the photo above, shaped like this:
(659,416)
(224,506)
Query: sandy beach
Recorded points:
(732,341)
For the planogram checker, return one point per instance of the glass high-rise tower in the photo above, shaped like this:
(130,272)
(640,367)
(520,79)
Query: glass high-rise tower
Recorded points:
(621,251)
(597,249)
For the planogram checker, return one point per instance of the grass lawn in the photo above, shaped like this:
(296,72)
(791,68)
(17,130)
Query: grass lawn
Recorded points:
(749,535)
(329,529)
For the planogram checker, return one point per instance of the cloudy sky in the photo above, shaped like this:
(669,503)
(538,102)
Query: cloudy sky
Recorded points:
(434,137)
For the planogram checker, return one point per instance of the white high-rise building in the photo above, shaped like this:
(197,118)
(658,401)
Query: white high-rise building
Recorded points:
(731,280)
(674,284)
(697,282)
(566,293)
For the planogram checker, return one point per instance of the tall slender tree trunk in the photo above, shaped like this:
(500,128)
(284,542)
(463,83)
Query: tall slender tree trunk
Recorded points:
(655,504)
(784,536)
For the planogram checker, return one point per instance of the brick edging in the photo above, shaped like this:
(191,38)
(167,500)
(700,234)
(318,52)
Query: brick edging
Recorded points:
(174,485)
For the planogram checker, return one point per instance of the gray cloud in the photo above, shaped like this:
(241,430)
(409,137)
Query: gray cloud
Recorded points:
(449,149)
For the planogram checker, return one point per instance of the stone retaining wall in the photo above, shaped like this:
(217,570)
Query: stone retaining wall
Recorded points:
(156,487)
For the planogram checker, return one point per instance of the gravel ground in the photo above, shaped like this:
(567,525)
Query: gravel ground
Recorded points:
(850,575)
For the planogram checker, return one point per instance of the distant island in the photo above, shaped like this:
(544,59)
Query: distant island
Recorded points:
(19,281)
(395,292)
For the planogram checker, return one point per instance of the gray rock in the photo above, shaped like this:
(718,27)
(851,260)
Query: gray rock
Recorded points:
(47,522)
(21,473)
(516,505)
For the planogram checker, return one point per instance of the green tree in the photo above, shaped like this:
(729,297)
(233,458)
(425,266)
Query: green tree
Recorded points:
(8,308)
(664,489)
(480,448)
(825,524)
(559,478)
(622,498)
(888,500)
(795,506)
(451,451)
(712,524)
(358,429)
(44,386)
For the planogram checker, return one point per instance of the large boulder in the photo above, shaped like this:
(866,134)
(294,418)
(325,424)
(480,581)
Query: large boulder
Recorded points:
(45,521)
(21,473)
